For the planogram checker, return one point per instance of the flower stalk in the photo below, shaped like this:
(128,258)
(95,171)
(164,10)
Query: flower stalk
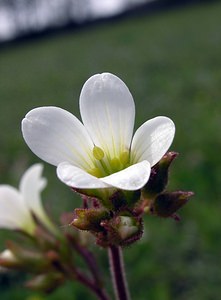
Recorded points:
(89,259)
(118,273)
(77,275)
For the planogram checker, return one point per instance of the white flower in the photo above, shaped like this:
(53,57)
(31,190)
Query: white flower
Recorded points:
(100,153)
(16,205)
(7,255)
(7,260)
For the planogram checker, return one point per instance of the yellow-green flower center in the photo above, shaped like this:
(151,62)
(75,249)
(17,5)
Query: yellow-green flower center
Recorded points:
(105,165)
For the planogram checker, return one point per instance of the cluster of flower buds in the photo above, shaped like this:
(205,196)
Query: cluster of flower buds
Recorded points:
(117,220)
(41,248)
(40,254)
(110,227)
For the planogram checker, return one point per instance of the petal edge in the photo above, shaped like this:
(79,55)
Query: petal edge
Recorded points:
(132,178)
(78,178)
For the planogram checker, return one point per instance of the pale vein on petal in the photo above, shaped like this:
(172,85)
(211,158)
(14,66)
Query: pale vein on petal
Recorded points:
(107,110)
(56,135)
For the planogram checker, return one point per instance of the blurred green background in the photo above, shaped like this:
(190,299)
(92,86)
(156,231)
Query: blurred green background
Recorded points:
(171,61)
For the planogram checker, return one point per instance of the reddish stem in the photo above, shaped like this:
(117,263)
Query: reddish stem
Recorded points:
(118,273)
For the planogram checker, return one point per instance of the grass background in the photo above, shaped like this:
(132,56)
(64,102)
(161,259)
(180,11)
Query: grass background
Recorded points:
(171,62)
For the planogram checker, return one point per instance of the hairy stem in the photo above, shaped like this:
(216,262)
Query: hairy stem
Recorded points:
(91,263)
(95,284)
(118,273)
(97,290)
(76,274)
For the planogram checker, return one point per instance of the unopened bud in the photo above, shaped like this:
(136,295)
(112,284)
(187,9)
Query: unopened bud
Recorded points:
(45,238)
(28,259)
(159,176)
(122,230)
(89,219)
(9,260)
(45,282)
(127,227)
(166,204)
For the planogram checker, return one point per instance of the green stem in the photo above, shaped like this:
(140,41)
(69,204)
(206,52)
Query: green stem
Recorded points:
(118,273)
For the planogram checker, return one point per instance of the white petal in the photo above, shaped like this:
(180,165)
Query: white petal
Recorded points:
(31,185)
(152,140)
(107,110)
(7,255)
(131,178)
(13,213)
(55,135)
(78,178)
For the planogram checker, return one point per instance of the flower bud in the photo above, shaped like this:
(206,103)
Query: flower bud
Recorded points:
(28,259)
(89,219)
(45,238)
(121,230)
(159,176)
(9,260)
(166,204)
(127,227)
(46,282)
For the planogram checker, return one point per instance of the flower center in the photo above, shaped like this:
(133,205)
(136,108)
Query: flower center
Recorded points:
(105,165)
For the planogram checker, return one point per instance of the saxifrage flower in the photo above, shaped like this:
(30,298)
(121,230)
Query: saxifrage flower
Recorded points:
(100,153)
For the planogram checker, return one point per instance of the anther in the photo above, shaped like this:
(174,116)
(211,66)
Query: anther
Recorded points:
(98,153)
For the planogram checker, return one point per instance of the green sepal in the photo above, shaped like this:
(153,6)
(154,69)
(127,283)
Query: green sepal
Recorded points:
(89,218)
(121,199)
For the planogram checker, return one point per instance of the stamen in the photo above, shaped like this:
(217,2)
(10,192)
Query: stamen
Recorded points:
(98,153)
(95,172)
(105,166)
(115,164)
(124,157)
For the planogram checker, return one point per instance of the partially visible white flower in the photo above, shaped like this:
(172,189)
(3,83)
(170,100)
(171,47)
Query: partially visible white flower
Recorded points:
(7,255)
(7,259)
(16,205)
(100,153)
